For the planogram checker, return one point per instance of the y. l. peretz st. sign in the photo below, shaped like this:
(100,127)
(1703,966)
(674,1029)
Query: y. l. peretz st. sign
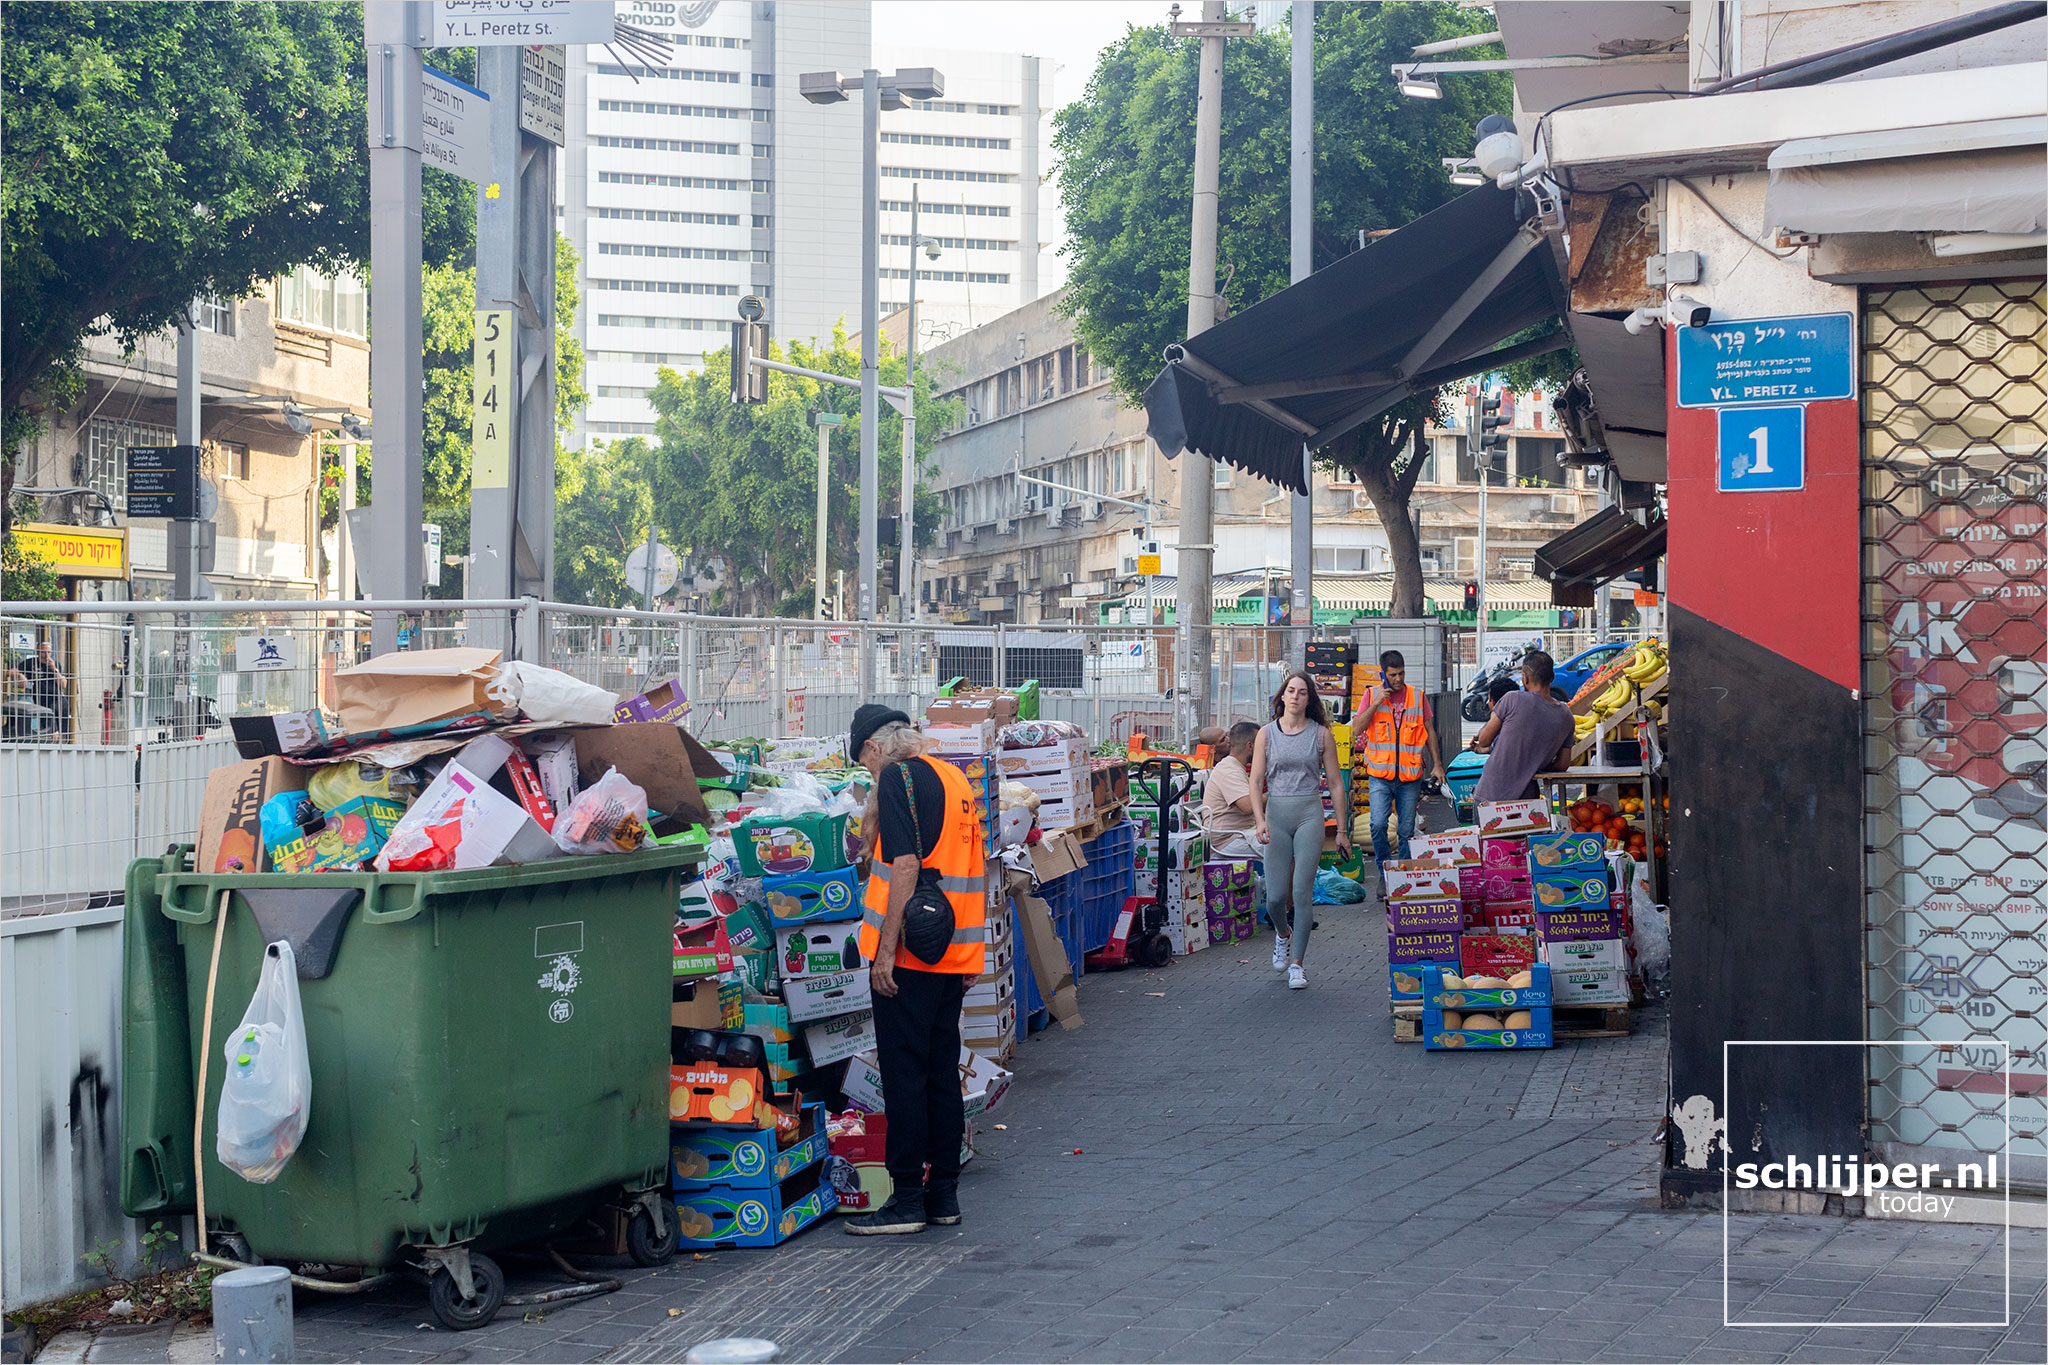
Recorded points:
(497,23)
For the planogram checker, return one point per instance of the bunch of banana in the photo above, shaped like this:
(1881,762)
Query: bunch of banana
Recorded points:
(1584,725)
(1647,663)
(1614,698)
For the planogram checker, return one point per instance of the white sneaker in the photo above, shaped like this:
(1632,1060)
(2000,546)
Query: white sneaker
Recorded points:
(1280,946)
(1297,980)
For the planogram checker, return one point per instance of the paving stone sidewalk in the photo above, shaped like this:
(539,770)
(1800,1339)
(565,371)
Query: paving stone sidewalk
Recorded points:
(1215,1168)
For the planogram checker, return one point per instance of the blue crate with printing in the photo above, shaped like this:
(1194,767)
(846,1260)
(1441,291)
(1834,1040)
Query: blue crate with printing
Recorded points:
(704,1155)
(1499,1017)
(811,898)
(1404,980)
(724,1215)
(1561,852)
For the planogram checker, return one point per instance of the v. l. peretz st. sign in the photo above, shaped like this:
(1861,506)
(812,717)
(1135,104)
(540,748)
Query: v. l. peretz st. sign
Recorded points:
(498,23)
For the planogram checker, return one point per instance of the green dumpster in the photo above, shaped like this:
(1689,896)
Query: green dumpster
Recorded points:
(489,1054)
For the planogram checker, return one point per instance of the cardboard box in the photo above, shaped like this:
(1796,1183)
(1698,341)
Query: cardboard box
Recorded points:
(841,1037)
(1492,1000)
(961,737)
(554,759)
(1495,954)
(783,846)
(1571,890)
(1458,847)
(990,997)
(1419,880)
(820,997)
(982,1083)
(1509,855)
(722,1216)
(1563,852)
(811,898)
(1054,856)
(707,1004)
(660,759)
(1061,755)
(663,703)
(1437,1038)
(819,950)
(1435,946)
(703,950)
(395,693)
(1065,814)
(1422,917)
(700,1157)
(706,1093)
(1471,882)
(230,813)
(1602,987)
(1404,981)
(768,1022)
(1505,919)
(863,1084)
(1506,886)
(1070,784)
(492,830)
(748,928)
(286,732)
(1590,922)
(1586,955)
(984,706)
(1513,817)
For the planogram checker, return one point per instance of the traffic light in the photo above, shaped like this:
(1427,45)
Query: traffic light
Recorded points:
(1644,577)
(749,382)
(1490,439)
(1472,597)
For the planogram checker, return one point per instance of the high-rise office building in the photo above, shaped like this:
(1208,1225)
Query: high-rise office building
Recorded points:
(686,187)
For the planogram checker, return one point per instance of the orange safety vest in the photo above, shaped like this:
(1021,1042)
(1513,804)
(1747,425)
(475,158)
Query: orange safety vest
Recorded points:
(1396,756)
(958,861)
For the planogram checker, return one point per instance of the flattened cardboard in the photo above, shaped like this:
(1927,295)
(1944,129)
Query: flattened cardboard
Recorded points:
(230,828)
(654,757)
(413,687)
(1055,856)
(1049,964)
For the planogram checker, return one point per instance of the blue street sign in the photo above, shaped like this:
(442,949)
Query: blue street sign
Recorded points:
(1801,359)
(1762,450)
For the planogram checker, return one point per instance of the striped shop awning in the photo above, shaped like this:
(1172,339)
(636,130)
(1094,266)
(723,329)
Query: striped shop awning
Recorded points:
(1362,592)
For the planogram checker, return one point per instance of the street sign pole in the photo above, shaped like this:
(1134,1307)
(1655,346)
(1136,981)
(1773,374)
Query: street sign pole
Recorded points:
(393,34)
(497,426)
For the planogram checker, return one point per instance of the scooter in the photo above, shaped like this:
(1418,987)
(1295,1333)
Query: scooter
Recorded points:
(1139,937)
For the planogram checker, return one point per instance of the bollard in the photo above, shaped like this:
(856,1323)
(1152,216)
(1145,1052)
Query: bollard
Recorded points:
(732,1351)
(252,1315)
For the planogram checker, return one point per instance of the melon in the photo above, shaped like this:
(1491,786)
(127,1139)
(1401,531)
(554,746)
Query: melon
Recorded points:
(1519,1019)
(1481,1021)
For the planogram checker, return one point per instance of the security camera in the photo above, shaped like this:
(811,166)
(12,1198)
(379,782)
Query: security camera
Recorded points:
(1689,312)
(1636,323)
(931,251)
(1498,148)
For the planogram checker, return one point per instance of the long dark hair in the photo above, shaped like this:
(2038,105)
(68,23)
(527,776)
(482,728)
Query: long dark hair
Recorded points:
(1315,710)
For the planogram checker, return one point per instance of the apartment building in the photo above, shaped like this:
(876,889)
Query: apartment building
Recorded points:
(292,354)
(688,186)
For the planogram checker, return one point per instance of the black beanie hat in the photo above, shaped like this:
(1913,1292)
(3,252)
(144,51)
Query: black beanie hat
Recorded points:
(866,721)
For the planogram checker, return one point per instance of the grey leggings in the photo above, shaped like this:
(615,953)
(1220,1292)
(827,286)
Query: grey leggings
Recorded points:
(1296,826)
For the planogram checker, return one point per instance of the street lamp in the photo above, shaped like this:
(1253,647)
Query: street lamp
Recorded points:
(878,92)
(906,587)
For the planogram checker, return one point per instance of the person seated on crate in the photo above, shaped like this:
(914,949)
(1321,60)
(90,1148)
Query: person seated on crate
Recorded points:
(1528,734)
(1227,800)
(925,842)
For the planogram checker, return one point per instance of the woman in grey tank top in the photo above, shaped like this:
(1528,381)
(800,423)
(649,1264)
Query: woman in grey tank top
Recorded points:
(1290,760)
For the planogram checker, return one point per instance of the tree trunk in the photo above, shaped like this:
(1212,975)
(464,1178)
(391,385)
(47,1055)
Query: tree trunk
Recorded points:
(1374,455)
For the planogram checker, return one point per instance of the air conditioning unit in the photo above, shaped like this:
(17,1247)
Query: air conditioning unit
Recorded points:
(1004,526)
(973,416)
(1092,510)
(1030,503)
(1564,503)
(1130,565)
(1360,502)
(967,535)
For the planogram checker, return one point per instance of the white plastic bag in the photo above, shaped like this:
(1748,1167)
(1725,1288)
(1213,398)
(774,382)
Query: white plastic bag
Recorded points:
(550,696)
(1652,930)
(266,1098)
(609,816)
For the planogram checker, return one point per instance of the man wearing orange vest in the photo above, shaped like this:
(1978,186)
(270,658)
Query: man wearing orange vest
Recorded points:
(925,837)
(1393,736)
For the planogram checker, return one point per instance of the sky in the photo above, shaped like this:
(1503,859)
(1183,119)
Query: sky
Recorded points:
(1068,32)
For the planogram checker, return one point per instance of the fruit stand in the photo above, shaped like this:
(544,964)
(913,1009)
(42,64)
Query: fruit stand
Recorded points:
(1617,783)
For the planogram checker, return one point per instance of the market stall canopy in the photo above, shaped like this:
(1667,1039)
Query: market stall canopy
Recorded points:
(1959,177)
(1425,306)
(1604,546)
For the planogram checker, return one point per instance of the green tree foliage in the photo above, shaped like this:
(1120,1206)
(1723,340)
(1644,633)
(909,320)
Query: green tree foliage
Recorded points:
(25,576)
(738,483)
(158,152)
(1125,154)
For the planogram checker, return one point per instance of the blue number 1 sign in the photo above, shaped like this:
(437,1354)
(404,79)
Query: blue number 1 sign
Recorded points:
(1762,450)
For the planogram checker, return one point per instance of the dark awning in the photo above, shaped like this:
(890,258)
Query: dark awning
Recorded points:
(1604,546)
(1412,311)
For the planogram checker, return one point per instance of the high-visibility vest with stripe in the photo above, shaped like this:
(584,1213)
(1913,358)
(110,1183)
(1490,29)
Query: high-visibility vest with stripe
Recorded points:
(1391,752)
(958,863)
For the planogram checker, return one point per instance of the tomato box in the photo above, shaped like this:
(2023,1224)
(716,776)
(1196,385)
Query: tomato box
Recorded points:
(1471,882)
(1572,890)
(726,1215)
(1560,925)
(702,1157)
(1421,917)
(1436,946)
(811,898)
(1563,852)
(1496,954)
(1459,847)
(1436,995)
(1404,981)
(1505,855)
(1513,817)
(1510,919)
(1507,886)
(1418,880)
(703,1093)
(700,951)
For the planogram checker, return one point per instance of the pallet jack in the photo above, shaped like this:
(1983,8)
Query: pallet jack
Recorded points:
(1139,936)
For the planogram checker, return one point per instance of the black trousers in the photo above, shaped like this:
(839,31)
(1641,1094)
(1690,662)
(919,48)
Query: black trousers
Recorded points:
(917,1042)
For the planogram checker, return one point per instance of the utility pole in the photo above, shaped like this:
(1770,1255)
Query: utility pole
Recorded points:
(870,352)
(1301,264)
(1197,549)
(826,421)
(906,589)
(392,37)
(184,531)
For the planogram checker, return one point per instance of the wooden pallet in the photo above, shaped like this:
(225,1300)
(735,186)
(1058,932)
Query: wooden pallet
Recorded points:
(1407,1023)
(1571,1023)
(1103,822)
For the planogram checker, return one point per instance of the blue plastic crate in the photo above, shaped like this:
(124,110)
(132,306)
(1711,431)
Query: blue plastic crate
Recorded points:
(1028,999)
